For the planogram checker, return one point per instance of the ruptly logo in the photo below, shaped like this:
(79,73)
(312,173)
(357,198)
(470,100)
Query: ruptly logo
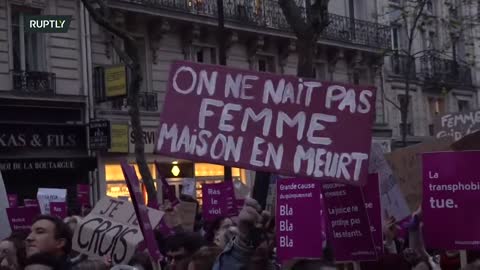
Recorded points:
(47,23)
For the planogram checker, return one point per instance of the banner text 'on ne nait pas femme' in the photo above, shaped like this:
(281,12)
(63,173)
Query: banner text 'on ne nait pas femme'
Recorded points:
(47,23)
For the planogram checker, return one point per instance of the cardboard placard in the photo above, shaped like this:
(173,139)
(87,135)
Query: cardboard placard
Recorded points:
(469,142)
(187,212)
(243,118)
(47,195)
(406,164)
(451,195)
(111,229)
(298,227)
(393,200)
(189,187)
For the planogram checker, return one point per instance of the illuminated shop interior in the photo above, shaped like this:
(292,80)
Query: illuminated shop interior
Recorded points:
(204,173)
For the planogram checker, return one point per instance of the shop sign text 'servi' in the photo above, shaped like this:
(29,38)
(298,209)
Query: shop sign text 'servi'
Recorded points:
(267,122)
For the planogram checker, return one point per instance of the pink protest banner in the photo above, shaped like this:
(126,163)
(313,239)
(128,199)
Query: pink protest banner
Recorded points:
(83,194)
(371,195)
(451,194)
(298,219)
(21,218)
(59,209)
(141,211)
(218,201)
(12,200)
(244,119)
(348,224)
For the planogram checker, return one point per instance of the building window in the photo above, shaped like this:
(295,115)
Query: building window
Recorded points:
(395,32)
(265,63)
(429,41)
(320,71)
(26,45)
(429,6)
(409,125)
(463,105)
(436,107)
(202,54)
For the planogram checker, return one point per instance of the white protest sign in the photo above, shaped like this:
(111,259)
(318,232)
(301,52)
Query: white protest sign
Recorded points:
(392,198)
(4,224)
(47,195)
(111,229)
(189,187)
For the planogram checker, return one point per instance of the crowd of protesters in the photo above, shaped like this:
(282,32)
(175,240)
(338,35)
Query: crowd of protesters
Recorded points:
(245,242)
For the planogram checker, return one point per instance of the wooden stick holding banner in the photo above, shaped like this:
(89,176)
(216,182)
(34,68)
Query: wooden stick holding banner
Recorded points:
(141,211)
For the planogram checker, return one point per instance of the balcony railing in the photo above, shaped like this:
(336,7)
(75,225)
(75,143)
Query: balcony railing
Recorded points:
(400,65)
(444,71)
(34,82)
(268,14)
(148,102)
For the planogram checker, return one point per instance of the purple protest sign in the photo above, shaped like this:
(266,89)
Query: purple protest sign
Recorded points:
(451,194)
(141,210)
(371,195)
(59,209)
(21,218)
(298,219)
(218,201)
(83,194)
(12,200)
(348,224)
(31,203)
(167,190)
(243,118)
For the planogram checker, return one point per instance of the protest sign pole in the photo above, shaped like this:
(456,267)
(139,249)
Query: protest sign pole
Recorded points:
(463,258)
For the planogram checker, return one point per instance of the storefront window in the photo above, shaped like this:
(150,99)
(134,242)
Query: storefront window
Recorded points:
(116,186)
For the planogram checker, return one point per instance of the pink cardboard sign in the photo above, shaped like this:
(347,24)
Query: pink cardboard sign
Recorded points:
(298,219)
(141,210)
(83,194)
(451,195)
(12,200)
(348,224)
(218,201)
(244,119)
(59,209)
(371,194)
(21,218)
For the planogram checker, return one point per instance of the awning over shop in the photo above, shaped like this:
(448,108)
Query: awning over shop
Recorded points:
(42,164)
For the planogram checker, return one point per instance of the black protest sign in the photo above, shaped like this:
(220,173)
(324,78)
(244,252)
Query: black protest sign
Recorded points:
(457,125)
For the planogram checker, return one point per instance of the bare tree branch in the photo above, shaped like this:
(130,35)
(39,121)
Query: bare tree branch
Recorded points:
(100,20)
(293,15)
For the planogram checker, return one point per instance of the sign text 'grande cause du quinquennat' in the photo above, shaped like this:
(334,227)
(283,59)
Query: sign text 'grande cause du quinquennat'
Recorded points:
(267,122)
